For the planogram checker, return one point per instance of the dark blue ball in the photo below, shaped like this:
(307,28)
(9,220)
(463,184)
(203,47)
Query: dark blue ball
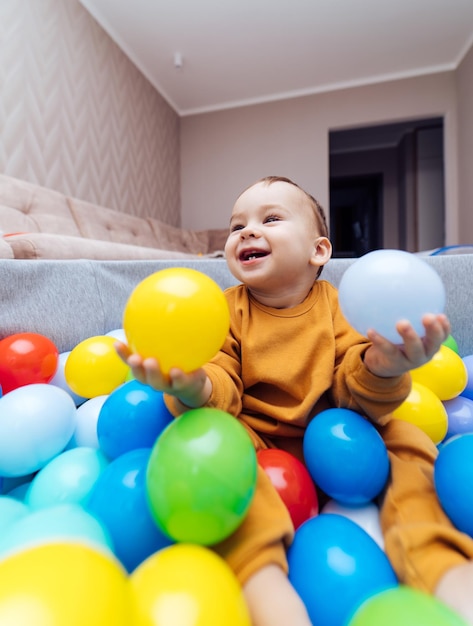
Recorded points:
(453,477)
(334,565)
(133,416)
(346,456)
(119,500)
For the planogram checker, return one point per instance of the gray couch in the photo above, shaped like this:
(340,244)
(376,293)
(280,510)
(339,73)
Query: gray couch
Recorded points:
(70,300)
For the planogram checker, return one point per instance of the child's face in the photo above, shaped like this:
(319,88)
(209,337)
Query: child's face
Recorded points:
(273,237)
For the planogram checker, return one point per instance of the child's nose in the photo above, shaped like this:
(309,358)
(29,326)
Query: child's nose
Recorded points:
(250,230)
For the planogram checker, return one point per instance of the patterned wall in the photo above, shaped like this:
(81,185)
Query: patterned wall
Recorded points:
(77,116)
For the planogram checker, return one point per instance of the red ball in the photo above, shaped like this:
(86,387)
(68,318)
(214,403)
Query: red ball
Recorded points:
(293,483)
(26,359)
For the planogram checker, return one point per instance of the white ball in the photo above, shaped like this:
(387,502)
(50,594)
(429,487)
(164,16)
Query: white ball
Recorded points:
(385,286)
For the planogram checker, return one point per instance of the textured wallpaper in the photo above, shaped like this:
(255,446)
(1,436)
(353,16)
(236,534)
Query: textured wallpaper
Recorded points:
(77,116)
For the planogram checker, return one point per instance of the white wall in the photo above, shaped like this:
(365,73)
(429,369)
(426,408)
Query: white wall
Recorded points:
(223,152)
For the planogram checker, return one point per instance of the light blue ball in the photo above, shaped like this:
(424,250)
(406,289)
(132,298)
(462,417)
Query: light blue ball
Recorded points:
(68,478)
(64,522)
(385,286)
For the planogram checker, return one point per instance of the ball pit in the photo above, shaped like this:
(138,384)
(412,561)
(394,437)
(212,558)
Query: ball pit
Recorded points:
(112,564)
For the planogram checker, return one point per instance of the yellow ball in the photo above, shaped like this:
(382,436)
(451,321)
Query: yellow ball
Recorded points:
(186,584)
(93,368)
(179,316)
(424,408)
(445,374)
(63,583)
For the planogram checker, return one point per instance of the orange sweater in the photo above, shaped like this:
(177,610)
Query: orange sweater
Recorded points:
(277,369)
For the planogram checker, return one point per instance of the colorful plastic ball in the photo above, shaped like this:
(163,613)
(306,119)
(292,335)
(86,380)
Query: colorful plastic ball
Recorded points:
(468,391)
(334,565)
(365,515)
(133,416)
(445,374)
(11,510)
(93,367)
(404,606)
(87,417)
(187,584)
(293,483)
(25,359)
(36,422)
(201,476)
(453,477)
(68,478)
(63,583)
(346,456)
(460,416)
(119,500)
(385,286)
(64,522)
(59,378)
(424,408)
(179,316)
(451,343)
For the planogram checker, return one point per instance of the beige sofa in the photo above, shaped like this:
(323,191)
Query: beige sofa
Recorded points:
(39,223)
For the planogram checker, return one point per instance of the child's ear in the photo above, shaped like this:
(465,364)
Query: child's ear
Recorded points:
(322,251)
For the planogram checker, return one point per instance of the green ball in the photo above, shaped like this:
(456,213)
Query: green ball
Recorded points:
(451,343)
(403,606)
(201,476)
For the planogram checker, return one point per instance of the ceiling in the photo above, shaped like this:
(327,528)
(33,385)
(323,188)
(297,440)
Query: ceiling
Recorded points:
(206,55)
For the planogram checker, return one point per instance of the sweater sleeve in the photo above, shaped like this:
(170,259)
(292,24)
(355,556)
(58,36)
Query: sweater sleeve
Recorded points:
(354,386)
(420,541)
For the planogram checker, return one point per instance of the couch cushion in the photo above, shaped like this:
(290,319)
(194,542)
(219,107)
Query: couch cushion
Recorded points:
(50,246)
(27,207)
(97,222)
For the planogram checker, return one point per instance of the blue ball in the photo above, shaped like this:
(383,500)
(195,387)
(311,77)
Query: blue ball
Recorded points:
(119,501)
(453,477)
(346,456)
(132,417)
(334,565)
(385,286)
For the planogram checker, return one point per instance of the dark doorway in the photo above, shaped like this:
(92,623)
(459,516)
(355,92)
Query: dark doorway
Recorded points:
(356,209)
(387,187)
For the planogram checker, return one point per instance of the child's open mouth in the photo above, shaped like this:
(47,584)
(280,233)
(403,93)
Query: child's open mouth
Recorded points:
(251,255)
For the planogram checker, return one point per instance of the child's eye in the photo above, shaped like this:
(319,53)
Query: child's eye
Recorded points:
(235,227)
(272,218)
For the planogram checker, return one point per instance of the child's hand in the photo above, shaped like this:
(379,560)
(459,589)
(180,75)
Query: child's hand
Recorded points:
(192,389)
(386,359)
